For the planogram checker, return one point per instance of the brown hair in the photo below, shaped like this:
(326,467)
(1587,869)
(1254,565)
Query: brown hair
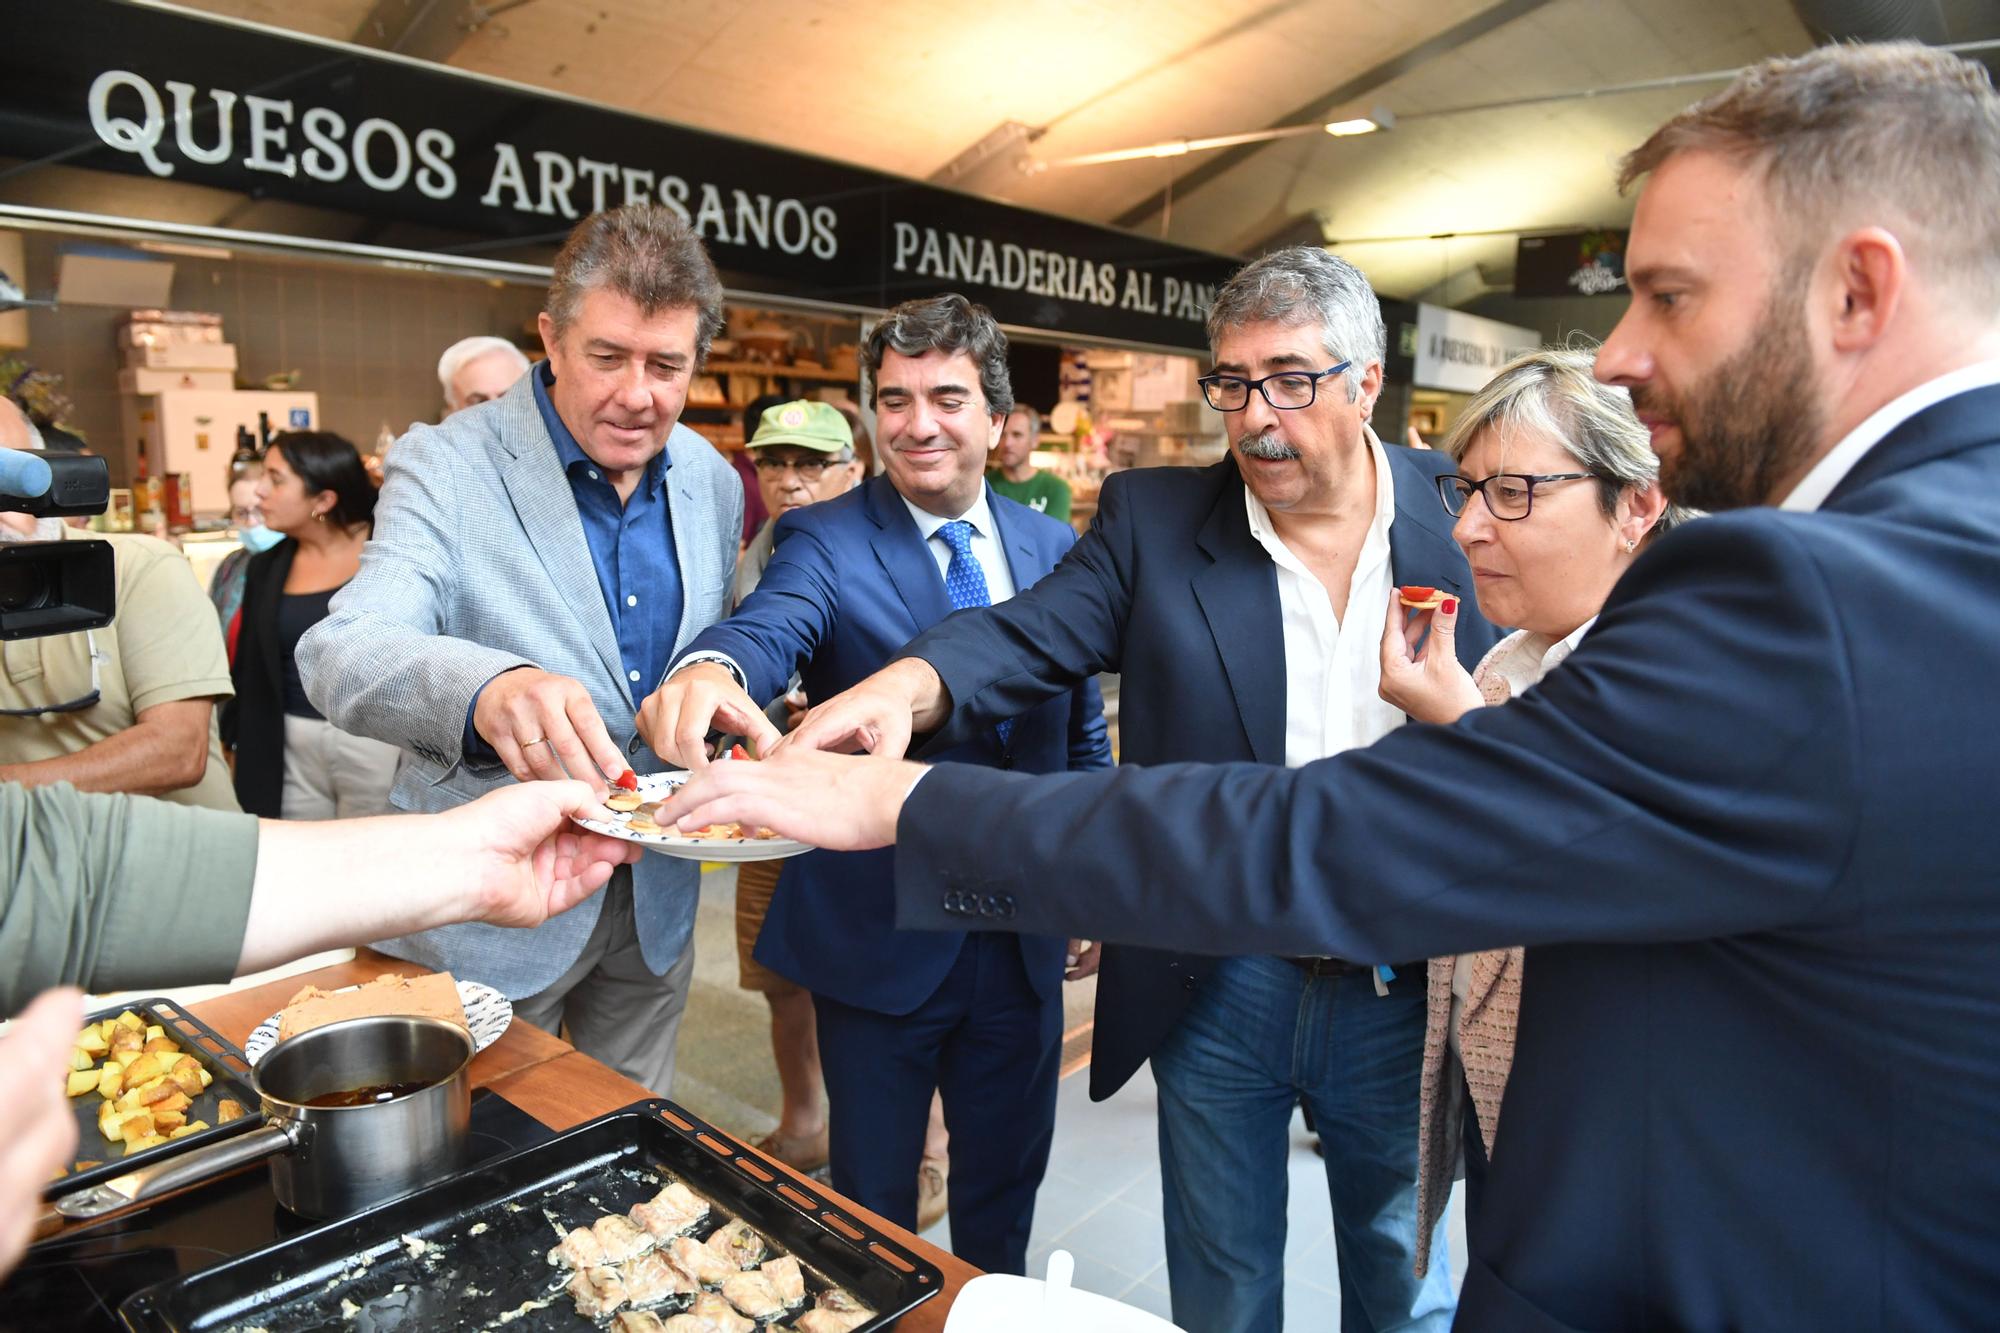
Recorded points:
(645,253)
(1847,134)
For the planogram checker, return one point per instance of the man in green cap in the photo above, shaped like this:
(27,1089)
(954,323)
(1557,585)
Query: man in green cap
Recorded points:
(804,453)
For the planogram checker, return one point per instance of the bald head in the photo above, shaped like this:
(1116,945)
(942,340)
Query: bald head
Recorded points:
(16,431)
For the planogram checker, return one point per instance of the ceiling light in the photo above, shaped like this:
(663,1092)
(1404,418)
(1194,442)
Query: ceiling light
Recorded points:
(1340,129)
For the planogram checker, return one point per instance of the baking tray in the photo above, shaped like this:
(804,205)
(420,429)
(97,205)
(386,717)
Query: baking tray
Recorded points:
(226,1066)
(471,1252)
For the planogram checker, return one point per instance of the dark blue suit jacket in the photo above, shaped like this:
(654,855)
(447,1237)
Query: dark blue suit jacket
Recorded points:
(1170,589)
(849,583)
(1747,832)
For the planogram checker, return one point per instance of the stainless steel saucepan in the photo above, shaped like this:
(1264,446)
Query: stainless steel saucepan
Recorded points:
(331,1160)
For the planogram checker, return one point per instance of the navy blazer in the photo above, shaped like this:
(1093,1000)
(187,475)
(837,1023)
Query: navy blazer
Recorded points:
(850,582)
(1170,589)
(1746,831)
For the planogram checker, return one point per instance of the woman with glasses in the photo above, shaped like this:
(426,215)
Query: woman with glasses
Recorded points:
(225,586)
(291,763)
(1556,491)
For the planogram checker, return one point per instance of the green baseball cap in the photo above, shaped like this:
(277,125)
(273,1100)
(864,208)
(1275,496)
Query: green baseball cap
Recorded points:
(806,423)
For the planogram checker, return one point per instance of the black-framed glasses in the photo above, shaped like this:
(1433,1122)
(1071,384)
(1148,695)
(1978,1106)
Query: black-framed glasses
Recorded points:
(1288,390)
(80,703)
(1509,495)
(812,469)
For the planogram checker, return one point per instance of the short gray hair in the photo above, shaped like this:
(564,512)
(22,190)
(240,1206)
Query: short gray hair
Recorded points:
(467,350)
(1034,419)
(1894,132)
(949,324)
(646,253)
(1554,392)
(1305,284)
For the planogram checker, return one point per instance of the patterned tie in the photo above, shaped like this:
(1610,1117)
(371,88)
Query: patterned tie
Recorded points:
(965,583)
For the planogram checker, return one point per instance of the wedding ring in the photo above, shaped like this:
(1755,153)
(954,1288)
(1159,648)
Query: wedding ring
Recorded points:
(540,740)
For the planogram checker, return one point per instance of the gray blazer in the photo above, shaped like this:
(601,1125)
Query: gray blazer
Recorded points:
(479,564)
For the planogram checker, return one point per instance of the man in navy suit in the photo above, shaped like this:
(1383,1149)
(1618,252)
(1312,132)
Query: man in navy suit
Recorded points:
(975,1014)
(1746,830)
(1244,606)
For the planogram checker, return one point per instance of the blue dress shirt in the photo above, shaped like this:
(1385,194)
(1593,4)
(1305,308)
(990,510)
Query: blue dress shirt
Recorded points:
(631,548)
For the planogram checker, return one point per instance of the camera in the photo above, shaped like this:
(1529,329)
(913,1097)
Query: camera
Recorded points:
(54,587)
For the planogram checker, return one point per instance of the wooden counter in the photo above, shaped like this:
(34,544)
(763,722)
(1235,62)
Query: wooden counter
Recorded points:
(559,1086)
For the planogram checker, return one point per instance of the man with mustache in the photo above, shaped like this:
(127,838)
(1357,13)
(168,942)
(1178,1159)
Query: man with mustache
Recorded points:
(1244,604)
(537,561)
(1745,830)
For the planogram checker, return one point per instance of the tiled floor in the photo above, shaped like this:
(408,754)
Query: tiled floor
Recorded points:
(1101,1202)
(1101,1199)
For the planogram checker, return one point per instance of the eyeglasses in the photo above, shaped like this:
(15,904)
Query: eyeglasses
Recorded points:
(1508,495)
(810,469)
(77,705)
(1288,390)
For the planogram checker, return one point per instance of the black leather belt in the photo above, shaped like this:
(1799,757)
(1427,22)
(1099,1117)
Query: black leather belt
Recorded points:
(1325,967)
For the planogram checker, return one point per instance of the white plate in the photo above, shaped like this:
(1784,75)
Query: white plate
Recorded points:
(487,1014)
(656,787)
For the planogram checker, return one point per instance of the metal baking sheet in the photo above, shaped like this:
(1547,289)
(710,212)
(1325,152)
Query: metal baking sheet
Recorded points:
(226,1066)
(470,1253)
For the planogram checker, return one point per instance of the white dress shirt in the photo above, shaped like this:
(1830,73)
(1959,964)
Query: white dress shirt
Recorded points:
(1830,471)
(1333,666)
(986,547)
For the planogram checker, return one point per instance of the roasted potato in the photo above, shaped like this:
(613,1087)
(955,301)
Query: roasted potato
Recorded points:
(161,1046)
(140,1145)
(111,1080)
(82,1081)
(128,1019)
(128,1039)
(227,1110)
(136,1125)
(166,1122)
(80,1059)
(144,1070)
(93,1041)
(191,1127)
(173,1101)
(187,1076)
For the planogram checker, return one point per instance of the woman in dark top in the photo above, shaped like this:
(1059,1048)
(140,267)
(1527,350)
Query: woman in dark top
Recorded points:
(291,763)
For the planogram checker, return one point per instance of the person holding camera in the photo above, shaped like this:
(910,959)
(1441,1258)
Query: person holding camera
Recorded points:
(126,708)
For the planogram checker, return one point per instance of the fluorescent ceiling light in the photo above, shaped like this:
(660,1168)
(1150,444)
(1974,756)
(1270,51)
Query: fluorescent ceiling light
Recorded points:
(1340,129)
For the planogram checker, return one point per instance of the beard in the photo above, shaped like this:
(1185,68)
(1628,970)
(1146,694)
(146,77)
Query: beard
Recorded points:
(1267,446)
(1754,422)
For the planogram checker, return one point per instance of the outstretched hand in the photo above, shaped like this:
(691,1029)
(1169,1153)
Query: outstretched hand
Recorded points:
(41,1128)
(527,861)
(1426,681)
(845,803)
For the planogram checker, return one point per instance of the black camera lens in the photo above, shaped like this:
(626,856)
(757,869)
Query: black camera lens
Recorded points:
(23,587)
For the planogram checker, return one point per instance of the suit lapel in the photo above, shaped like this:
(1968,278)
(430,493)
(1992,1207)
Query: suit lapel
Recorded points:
(1238,594)
(1959,422)
(1024,562)
(1420,546)
(546,506)
(904,557)
(689,517)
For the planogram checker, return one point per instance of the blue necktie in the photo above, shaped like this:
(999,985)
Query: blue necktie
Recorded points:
(965,582)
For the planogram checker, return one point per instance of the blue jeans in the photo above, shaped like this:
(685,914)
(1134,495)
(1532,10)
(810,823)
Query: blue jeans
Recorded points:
(1261,1036)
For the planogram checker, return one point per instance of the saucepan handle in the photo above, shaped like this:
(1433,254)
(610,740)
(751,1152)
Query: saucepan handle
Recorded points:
(190,1168)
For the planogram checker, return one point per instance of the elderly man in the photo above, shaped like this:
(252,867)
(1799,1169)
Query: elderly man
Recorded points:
(127,708)
(477,370)
(1244,606)
(537,561)
(1745,829)
(1015,477)
(973,1014)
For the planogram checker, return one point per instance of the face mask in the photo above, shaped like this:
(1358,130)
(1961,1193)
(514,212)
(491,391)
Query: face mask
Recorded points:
(259,539)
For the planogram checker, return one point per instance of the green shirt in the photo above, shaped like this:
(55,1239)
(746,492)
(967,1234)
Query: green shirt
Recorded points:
(1045,493)
(118,892)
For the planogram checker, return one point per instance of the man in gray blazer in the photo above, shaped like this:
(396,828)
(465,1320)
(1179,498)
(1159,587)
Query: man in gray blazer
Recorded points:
(537,563)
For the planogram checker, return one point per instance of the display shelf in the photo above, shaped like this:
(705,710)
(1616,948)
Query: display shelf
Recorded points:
(820,373)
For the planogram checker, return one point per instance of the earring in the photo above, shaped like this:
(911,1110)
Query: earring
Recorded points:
(321,516)
(1630,546)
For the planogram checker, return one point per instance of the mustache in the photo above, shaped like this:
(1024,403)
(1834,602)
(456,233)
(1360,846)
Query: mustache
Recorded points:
(1268,446)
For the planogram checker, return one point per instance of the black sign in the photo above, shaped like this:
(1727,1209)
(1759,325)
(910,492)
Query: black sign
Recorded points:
(1578,263)
(419,156)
